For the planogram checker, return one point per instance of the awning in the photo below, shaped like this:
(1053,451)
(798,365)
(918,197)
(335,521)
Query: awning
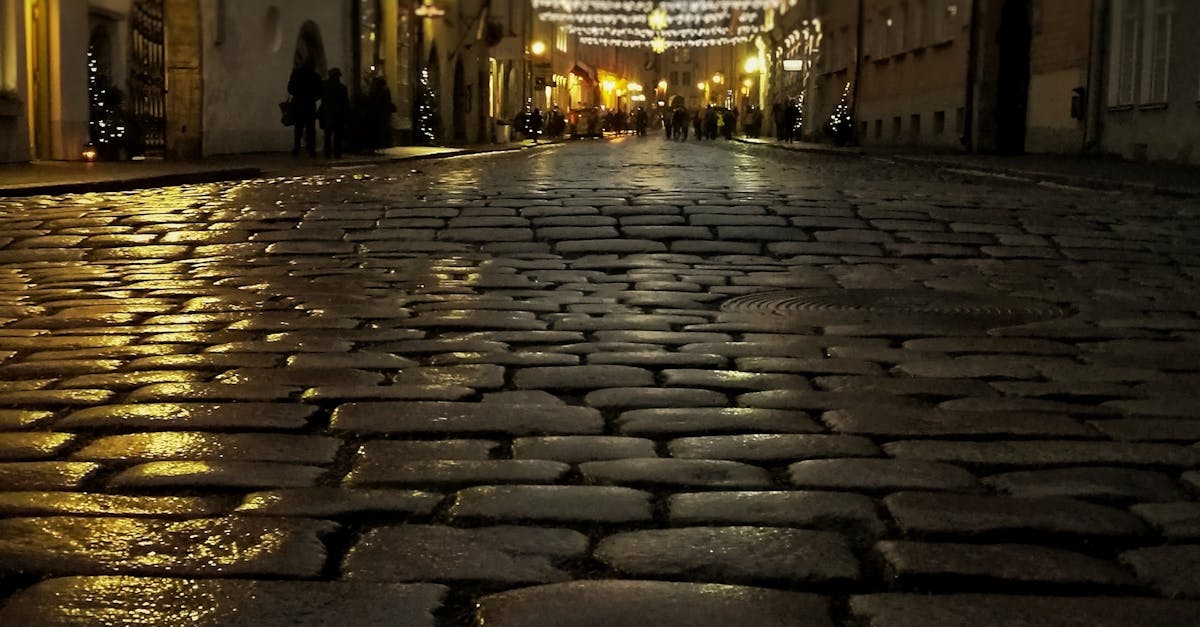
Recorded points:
(582,70)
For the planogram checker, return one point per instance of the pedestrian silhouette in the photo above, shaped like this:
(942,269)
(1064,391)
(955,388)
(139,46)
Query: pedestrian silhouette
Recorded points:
(304,86)
(334,111)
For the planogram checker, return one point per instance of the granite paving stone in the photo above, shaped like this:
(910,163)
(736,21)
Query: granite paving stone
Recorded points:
(712,420)
(732,380)
(21,446)
(65,545)
(486,376)
(977,516)
(949,387)
(320,502)
(675,472)
(839,511)
(16,504)
(20,419)
(581,448)
(582,377)
(735,554)
(901,422)
(944,610)
(627,398)
(880,475)
(415,450)
(808,366)
(658,359)
(370,470)
(446,418)
(552,503)
(160,602)
(434,553)
(1170,569)
(928,564)
(774,447)
(46,475)
(626,603)
(1096,483)
(216,475)
(189,416)
(1041,453)
(1175,521)
(199,446)
(395,392)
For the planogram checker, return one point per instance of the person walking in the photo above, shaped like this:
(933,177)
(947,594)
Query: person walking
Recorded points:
(333,113)
(698,123)
(379,114)
(535,124)
(304,86)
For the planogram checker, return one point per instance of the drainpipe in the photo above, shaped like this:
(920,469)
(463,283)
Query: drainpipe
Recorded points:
(1094,119)
(858,43)
(968,137)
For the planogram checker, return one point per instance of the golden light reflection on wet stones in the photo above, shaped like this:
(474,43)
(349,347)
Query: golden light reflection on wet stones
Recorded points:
(64,545)
(168,602)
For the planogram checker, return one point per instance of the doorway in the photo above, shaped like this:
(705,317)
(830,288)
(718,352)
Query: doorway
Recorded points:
(1012,78)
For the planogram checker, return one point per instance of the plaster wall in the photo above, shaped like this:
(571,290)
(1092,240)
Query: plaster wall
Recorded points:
(14,122)
(1050,127)
(248,49)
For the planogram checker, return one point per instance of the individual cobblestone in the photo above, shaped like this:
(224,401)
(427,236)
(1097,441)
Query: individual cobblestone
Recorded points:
(880,475)
(553,503)
(919,610)
(625,603)
(824,510)
(921,564)
(159,602)
(675,472)
(1169,569)
(189,416)
(711,420)
(581,448)
(447,418)
(335,502)
(203,547)
(962,515)
(731,554)
(1093,483)
(1175,521)
(434,553)
(771,447)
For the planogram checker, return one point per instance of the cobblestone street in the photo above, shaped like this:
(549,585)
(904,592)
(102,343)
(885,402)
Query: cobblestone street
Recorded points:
(606,383)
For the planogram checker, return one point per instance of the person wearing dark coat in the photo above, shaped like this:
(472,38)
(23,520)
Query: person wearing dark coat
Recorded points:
(304,86)
(379,114)
(334,112)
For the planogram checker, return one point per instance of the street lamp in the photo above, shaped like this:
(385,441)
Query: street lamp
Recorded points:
(538,48)
(718,78)
(751,65)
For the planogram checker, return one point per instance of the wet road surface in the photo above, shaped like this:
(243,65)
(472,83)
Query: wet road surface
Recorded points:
(622,382)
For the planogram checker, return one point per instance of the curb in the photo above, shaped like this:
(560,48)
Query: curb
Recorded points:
(141,182)
(217,176)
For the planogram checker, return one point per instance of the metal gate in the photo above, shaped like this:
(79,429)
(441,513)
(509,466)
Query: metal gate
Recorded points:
(147,75)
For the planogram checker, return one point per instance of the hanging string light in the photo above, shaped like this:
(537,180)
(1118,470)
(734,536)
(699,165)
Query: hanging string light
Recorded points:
(657,24)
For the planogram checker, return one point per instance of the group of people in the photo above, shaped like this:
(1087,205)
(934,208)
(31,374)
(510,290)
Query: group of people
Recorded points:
(707,123)
(314,101)
(532,124)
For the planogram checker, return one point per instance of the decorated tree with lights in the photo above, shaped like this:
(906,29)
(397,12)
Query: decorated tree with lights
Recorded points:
(427,122)
(798,119)
(841,124)
(106,123)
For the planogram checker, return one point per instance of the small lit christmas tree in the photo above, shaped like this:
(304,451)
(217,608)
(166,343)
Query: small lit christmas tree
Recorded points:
(106,129)
(798,125)
(426,112)
(841,124)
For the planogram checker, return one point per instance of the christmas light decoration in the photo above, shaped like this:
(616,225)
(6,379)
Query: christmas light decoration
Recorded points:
(657,24)
(426,111)
(841,124)
(106,130)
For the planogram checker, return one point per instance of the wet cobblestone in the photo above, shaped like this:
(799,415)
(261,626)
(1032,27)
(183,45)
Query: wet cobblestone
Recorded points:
(314,397)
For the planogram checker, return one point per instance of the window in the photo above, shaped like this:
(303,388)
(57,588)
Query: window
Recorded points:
(914,126)
(1141,38)
(560,39)
(960,121)
(878,129)
(674,80)
(1159,53)
(687,79)
(939,122)
(917,11)
(897,126)
(830,60)
(940,14)
(8,46)
(896,31)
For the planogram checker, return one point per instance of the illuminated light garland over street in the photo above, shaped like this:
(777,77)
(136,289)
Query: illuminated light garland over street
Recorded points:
(657,25)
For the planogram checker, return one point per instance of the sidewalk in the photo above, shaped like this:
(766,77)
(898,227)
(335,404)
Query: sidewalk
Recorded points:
(1070,170)
(70,177)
